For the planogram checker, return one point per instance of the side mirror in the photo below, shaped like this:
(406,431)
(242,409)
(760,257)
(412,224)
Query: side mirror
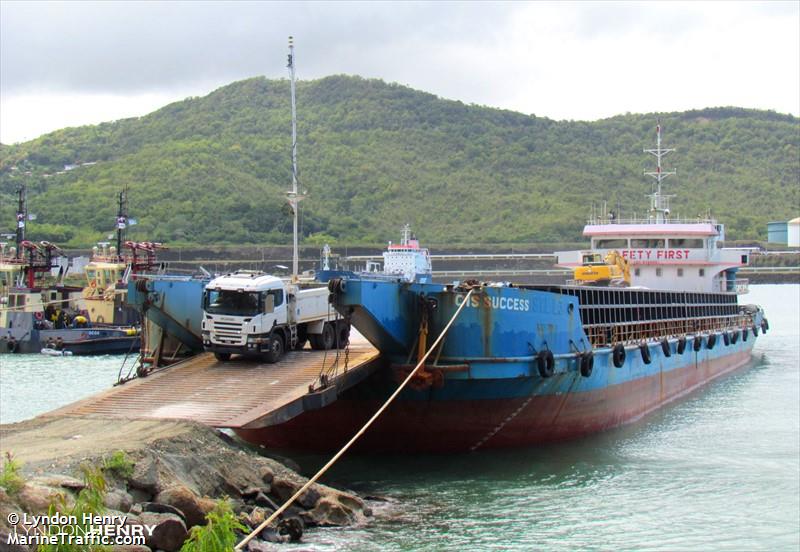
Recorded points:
(269,304)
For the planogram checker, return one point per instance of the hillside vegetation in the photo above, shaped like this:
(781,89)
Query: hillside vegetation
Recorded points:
(372,156)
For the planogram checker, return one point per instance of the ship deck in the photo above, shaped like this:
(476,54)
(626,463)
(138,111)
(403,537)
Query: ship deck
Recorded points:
(235,394)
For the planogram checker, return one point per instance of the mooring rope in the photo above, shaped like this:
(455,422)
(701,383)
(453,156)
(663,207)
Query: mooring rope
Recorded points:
(361,431)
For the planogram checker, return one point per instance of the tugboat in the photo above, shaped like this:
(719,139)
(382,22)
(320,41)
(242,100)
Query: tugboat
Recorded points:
(529,364)
(67,320)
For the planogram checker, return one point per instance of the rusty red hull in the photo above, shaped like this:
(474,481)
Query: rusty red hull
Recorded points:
(458,426)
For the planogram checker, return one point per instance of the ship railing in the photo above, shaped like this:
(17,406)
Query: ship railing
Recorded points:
(649,220)
(606,335)
(740,286)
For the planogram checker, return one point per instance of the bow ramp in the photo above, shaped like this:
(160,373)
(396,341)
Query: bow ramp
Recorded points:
(235,394)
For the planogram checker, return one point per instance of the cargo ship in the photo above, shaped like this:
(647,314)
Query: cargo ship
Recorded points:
(524,365)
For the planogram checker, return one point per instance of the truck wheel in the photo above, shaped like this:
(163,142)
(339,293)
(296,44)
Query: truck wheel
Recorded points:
(275,349)
(328,337)
(222,357)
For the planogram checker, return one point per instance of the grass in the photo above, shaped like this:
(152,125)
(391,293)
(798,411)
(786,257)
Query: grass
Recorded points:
(219,532)
(10,476)
(118,463)
(89,501)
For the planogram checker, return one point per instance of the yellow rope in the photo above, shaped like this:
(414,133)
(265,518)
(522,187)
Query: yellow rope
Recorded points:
(338,455)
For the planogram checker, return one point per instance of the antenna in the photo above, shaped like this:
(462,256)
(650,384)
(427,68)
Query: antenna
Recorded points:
(659,204)
(293,197)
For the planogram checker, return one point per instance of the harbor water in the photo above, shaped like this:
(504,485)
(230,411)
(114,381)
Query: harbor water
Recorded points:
(717,470)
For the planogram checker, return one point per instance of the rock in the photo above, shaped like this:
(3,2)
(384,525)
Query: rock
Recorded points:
(158,508)
(136,509)
(169,532)
(117,499)
(266,474)
(145,476)
(249,493)
(5,546)
(329,513)
(309,498)
(263,500)
(292,527)
(64,481)
(138,495)
(194,508)
(37,498)
(131,548)
(257,517)
(283,488)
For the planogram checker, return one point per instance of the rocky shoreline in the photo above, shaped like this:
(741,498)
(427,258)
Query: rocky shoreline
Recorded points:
(176,474)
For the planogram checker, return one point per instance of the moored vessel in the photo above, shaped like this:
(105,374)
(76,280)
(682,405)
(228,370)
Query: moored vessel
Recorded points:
(528,364)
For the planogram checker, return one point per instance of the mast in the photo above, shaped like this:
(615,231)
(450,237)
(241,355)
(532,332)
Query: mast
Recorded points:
(659,203)
(293,197)
(122,219)
(22,215)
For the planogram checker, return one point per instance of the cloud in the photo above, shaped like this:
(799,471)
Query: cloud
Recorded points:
(577,60)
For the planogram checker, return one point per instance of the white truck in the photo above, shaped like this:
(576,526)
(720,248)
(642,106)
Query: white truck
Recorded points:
(258,315)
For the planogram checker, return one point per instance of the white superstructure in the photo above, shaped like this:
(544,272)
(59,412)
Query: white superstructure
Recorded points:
(407,259)
(663,252)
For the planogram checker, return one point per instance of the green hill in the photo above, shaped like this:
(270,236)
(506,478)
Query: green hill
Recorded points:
(373,156)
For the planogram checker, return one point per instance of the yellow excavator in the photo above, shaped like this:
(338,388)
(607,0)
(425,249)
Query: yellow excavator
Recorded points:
(613,270)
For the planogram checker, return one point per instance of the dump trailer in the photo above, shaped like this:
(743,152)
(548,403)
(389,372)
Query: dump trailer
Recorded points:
(259,315)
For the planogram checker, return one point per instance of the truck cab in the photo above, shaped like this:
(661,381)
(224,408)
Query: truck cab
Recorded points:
(256,314)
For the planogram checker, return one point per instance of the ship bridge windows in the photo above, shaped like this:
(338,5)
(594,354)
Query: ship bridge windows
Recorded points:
(648,243)
(686,243)
(611,243)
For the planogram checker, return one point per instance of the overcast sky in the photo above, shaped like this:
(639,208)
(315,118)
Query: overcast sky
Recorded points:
(74,63)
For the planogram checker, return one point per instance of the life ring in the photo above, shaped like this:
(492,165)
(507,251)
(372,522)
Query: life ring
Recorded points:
(38,316)
(712,340)
(764,325)
(587,363)
(698,342)
(726,338)
(734,336)
(645,350)
(681,345)
(665,348)
(92,283)
(618,355)
(545,363)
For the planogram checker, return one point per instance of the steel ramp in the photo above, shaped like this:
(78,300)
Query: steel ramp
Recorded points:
(234,394)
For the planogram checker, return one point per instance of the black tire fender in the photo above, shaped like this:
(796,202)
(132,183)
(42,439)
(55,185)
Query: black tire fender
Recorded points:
(698,343)
(545,363)
(681,345)
(712,341)
(587,363)
(665,348)
(726,338)
(764,325)
(734,336)
(618,355)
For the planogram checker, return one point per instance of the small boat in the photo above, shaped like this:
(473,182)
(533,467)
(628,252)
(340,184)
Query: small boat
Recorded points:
(55,352)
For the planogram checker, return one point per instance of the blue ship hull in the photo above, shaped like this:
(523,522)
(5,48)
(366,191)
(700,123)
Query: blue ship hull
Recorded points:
(490,390)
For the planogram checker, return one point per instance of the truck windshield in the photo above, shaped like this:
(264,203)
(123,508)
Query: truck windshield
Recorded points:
(236,303)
